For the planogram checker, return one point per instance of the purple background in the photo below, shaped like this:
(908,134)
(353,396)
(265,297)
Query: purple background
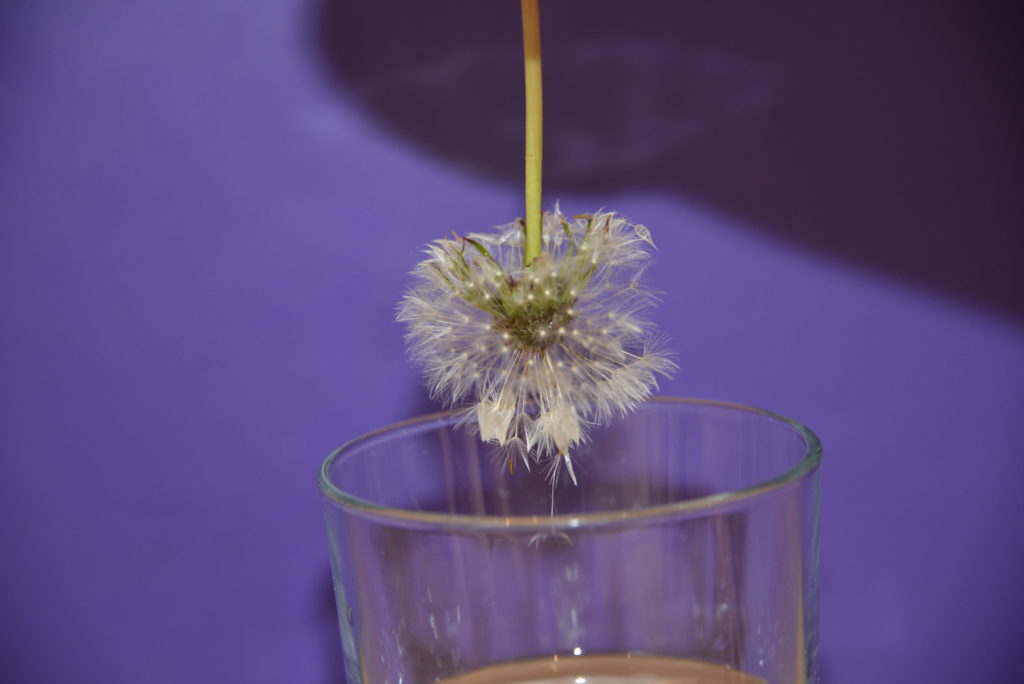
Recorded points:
(208,209)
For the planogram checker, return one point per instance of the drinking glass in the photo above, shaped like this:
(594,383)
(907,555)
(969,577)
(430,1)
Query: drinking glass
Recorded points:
(687,552)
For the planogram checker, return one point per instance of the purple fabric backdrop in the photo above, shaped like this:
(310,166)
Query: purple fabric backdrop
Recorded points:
(209,208)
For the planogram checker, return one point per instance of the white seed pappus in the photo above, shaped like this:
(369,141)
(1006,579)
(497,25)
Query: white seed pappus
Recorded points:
(537,354)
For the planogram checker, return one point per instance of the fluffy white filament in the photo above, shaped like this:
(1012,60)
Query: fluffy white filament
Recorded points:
(542,352)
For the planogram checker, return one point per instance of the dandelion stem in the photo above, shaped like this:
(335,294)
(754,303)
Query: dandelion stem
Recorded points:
(534,128)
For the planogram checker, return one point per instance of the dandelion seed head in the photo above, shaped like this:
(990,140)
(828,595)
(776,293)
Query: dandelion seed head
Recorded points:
(539,352)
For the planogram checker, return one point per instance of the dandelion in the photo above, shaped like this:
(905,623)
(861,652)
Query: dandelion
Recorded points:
(537,353)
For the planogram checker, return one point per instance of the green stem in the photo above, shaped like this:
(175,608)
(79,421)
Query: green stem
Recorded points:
(534,128)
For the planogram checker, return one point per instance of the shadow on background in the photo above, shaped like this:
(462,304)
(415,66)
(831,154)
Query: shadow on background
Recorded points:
(882,134)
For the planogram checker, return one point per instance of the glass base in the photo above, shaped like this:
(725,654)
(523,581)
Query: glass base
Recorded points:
(605,669)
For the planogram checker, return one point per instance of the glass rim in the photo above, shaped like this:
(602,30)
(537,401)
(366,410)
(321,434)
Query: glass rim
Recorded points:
(709,504)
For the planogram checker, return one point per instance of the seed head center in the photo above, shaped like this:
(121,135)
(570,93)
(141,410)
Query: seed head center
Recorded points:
(535,325)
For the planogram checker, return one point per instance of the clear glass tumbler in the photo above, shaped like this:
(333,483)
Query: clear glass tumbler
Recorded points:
(688,552)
